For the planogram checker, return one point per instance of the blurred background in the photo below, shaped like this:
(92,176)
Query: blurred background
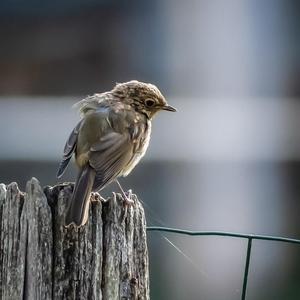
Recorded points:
(229,159)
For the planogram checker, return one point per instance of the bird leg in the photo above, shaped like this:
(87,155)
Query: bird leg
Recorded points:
(127,196)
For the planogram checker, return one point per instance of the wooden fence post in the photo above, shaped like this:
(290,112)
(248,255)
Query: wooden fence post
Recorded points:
(41,259)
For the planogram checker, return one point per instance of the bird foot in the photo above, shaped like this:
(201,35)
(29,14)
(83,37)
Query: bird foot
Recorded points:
(96,197)
(127,197)
(128,201)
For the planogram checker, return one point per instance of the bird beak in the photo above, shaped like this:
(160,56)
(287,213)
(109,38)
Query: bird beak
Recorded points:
(169,108)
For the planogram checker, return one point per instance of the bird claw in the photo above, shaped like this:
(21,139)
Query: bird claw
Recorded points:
(96,197)
(128,198)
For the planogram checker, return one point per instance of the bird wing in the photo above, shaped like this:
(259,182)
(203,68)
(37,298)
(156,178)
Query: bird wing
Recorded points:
(110,156)
(68,150)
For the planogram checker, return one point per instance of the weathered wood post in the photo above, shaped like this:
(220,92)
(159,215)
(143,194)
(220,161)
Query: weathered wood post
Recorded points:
(41,259)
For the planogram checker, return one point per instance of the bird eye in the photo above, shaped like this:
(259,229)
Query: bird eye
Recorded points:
(149,102)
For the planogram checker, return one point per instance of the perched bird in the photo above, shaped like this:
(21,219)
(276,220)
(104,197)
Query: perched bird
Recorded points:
(109,140)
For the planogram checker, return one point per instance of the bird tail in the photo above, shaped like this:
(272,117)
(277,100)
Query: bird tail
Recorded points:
(79,206)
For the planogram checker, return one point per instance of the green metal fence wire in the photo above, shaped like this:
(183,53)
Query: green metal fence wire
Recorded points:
(248,237)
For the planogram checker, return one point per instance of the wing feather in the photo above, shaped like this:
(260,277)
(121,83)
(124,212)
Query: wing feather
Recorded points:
(69,149)
(109,157)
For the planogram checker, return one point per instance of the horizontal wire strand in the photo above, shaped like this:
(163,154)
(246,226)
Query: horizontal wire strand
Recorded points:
(224,233)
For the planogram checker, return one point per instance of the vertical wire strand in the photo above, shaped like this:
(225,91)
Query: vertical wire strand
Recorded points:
(246,272)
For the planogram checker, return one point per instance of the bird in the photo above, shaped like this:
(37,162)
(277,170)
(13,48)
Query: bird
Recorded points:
(110,139)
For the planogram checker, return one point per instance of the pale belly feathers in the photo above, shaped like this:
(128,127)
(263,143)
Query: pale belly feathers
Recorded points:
(138,154)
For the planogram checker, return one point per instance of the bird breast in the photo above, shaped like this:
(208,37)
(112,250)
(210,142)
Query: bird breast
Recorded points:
(141,139)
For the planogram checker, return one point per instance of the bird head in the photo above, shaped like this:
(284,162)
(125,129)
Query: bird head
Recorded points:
(145,98)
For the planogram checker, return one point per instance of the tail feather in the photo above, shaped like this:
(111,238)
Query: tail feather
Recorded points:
(79,206)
